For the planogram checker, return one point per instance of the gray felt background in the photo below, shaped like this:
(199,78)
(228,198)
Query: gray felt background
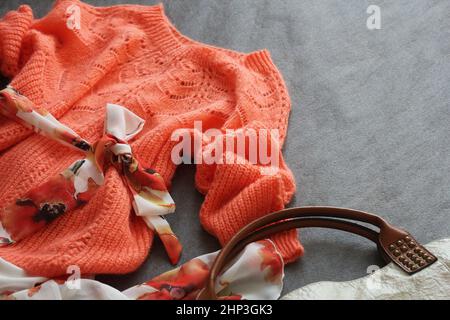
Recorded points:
(369,127)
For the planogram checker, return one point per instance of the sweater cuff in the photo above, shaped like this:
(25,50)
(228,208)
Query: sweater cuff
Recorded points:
(260,61)
(13,27)
(288,245)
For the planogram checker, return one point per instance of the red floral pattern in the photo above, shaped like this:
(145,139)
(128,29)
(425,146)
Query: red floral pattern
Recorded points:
(77,184)
(243,278)
(271,262)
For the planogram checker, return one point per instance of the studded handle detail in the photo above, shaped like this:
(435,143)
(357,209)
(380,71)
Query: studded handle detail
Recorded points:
(409,255)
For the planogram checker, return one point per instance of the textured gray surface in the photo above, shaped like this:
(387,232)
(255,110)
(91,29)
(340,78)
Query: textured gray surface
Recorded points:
(369,127)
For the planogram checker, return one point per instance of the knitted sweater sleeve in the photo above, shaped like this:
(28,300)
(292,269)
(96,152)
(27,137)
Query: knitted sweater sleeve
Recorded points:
(238,192)
(13,28)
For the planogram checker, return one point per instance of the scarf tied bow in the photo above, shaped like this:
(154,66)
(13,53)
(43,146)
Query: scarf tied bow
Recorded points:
(77,184)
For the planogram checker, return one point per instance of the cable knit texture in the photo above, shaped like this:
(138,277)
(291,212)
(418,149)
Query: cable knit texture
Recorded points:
(133,56)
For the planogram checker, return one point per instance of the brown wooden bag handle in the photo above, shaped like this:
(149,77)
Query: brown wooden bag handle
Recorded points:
(394,245)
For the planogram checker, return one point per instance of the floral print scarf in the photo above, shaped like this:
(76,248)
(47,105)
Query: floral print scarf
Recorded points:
(255,274)
(77,184)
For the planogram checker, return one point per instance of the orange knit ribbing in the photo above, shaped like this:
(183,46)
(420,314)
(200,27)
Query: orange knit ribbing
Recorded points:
(132,55)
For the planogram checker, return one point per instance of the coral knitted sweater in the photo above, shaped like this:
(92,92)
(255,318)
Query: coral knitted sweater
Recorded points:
(133,56)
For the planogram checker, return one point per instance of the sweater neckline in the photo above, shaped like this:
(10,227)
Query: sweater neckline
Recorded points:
(163,32)
(172,39)
(176,38)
